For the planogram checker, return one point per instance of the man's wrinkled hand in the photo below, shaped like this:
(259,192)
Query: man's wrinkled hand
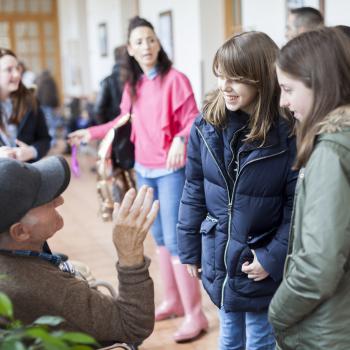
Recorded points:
(132,220)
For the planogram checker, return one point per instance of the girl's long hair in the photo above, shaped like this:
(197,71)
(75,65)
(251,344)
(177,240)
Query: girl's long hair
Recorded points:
(23,99)
(249,58)
(134,70)
(321,60)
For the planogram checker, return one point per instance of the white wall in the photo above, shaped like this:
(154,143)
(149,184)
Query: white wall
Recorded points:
(83,67)
(198,29)
(109,12)
(73,46)
(212,36)
(337,12)
(265,16)
(186,34)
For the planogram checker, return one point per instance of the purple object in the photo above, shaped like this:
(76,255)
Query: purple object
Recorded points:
(74,161)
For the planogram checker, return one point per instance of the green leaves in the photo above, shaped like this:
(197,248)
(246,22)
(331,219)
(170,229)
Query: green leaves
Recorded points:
(38,335)
(49,320)
(6,309)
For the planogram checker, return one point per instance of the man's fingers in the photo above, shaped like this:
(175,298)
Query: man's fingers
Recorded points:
(127,202)
(151,216)
(145,206)
(139,200)
(115,211)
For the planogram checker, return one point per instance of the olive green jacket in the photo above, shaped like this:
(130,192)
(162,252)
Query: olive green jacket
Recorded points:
(311,308)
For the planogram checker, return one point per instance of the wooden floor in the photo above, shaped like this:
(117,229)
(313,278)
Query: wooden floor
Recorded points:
(86,238)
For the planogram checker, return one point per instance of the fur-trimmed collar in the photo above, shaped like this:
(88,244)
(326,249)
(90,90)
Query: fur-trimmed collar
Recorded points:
(335,121)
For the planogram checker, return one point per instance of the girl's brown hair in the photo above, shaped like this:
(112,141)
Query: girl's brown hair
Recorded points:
(248,58)
(321,60)
(22,99)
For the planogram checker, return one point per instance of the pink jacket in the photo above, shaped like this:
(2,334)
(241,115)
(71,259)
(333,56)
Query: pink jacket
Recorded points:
(165,107)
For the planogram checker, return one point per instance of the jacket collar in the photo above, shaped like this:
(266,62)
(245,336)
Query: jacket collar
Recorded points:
(213,138)
(335,121)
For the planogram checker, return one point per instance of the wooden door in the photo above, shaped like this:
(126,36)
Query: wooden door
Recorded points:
(233,17)
(30,29)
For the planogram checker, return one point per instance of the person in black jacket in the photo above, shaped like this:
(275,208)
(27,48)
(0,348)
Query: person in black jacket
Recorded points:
(47,95)
(110,95)
(23,130)
(237,201)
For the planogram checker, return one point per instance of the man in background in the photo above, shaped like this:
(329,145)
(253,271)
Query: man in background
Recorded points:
(301,20)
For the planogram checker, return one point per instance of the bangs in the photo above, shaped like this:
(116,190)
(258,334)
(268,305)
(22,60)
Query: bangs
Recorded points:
(231,62)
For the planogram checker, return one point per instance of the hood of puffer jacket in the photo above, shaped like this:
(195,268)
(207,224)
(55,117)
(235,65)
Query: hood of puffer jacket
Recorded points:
(336,126)
(336,121)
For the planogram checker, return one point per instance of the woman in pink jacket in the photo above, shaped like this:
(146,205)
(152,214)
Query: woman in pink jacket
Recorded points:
(163,108)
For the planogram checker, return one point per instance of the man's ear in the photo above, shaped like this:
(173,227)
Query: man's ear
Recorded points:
(19,232)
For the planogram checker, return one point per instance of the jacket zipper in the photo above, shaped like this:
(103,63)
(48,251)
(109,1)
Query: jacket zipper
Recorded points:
(230,199)
(239,171)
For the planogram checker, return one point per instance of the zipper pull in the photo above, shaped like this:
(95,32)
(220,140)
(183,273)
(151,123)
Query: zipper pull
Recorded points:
(229,208)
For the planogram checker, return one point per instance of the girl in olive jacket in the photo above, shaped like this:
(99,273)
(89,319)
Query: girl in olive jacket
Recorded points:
(311,308)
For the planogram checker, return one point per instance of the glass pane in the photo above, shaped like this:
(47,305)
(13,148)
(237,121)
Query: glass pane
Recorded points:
(34,46)
(50,63)
(48,29)
(22,47)
(33,29)
(46,6)
(35,64)
(21,6)
(5,42)
(8,5)
(34,6)
(49,46)
(4,29)
(20,29)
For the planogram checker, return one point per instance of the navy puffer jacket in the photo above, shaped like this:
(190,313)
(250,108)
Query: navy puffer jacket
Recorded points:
(222,220)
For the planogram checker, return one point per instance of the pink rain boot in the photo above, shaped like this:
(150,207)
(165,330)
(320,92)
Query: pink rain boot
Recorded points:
(195,321)
(171,304)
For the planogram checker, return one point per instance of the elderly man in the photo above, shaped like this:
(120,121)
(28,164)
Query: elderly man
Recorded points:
(303,19)
(39,283)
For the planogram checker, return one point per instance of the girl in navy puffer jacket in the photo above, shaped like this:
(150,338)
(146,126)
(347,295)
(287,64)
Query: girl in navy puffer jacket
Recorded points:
(237,202)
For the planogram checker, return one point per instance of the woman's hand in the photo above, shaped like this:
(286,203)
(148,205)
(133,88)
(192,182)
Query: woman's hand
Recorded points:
(24,152)
(176,155)
(79,136)
(254,270)
(193,270)
(7,152)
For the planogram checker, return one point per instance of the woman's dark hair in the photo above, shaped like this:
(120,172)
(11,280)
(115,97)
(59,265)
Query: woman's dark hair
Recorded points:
(22,99)
(134,69)
(321,61)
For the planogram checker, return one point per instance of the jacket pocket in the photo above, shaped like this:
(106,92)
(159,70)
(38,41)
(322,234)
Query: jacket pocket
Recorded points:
(258,241)
(207,231)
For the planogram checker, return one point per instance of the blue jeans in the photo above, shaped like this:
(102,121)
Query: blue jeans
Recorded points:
(168,189)
(245,330)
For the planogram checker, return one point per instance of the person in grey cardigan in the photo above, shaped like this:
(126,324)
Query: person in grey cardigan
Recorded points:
(40,283)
